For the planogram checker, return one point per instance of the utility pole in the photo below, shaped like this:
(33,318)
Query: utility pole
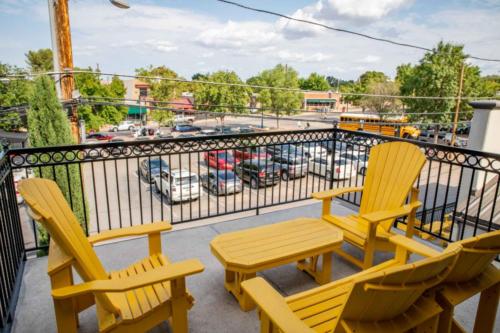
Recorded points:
(63,57)
(457,109)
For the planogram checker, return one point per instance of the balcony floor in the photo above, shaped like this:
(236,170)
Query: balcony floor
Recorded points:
(215,309)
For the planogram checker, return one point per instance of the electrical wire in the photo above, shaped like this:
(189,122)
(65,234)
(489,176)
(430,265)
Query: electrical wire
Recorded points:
(159,78)
(138,101)
(264,11)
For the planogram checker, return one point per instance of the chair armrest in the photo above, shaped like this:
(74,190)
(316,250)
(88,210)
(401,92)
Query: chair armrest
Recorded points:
(384,215)
(335,192)
(274,306)
(138,230)
(413,246)
(161,274)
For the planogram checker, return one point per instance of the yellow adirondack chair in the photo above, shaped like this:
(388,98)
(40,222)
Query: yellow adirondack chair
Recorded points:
(385,298)
(393,169)
(135,299)
(473,273)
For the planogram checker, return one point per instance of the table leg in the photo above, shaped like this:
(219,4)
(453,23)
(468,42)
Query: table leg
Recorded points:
(310,266)
(233,285)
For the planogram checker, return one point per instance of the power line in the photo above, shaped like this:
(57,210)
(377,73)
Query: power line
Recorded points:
(159,78)
(359,34)
(253,108)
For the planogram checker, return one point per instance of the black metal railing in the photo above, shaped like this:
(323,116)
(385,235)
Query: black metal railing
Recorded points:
(12,253)
(119,184)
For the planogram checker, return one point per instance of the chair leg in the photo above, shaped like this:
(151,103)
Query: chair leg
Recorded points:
(446,316)
(65,310)
(487,309)
(179,306)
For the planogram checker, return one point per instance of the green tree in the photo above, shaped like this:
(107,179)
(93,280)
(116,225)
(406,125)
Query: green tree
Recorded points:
(163,90)
(381,105)
(491,86)
(314,82)
(437,74)
(281,101)
(370,77)
(13,92)
(49,126)
(223,98)
(91,85)
(40,60)
(163,117)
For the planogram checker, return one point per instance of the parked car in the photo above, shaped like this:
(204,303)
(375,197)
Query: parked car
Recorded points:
(459,141)
(246,129)
(359,161)
(99,137)
(312,149)
(323,167)
(18,175)
(178,185)
(225,130)
(185,135)
(339,146)
(221,182)
(219,159)
(186,128)
(183,119)
(285,149)
(208,132)
(152,167)
(126,125)
(258,172)
(250,153)
(291,165)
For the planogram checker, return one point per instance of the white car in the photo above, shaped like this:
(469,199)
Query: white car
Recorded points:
(360,161)
(182,119)
(126,125)
(20,174)
(323,166)
(313,150)
(178,185)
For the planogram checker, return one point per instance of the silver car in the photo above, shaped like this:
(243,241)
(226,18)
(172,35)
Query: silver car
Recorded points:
(222,182)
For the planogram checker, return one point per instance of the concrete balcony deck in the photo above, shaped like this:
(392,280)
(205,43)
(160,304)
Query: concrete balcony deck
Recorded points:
(215,309)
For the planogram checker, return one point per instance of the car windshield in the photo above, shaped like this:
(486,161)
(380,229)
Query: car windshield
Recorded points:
(186,180)
(155,164)
(223,156)
(229,175)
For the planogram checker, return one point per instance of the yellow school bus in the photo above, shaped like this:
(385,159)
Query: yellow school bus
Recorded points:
(390,125)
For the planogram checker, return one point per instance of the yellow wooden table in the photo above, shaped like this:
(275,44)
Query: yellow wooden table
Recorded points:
(246,252)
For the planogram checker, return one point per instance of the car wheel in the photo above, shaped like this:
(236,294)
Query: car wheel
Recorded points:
(131,128)
(214,190)
(168,200)
(362,171)
(285,176)
(254,183)
(115,129)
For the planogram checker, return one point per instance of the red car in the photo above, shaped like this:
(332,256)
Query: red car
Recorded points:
(219,159)
(99,136)
(250,153)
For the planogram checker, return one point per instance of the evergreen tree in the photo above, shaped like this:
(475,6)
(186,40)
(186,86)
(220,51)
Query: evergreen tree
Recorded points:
(48,125)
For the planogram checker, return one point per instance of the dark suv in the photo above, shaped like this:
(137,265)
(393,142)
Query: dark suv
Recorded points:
(258,172)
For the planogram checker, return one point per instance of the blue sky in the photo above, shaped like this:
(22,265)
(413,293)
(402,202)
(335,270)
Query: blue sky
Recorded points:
(203,35)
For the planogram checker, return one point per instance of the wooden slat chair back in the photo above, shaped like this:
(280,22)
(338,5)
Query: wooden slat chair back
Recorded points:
(384,295)
(46,200)
(394,167)
(477,253)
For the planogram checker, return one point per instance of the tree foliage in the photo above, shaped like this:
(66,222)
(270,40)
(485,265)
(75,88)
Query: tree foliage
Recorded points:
(381,105)
(12,93)
(223,98)
(437,74)
(48,125)
(40,60)
(90,85)
(314,82)
(281,101)
(163,90)
(163,117)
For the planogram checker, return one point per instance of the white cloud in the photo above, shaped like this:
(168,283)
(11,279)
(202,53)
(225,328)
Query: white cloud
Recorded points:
(370,59)
(302,57)
(359,9)
(237,35)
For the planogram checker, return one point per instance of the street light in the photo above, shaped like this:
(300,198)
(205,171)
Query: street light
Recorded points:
(120,4)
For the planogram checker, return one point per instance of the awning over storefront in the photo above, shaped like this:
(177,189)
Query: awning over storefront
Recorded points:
(321,100)
(136,110)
